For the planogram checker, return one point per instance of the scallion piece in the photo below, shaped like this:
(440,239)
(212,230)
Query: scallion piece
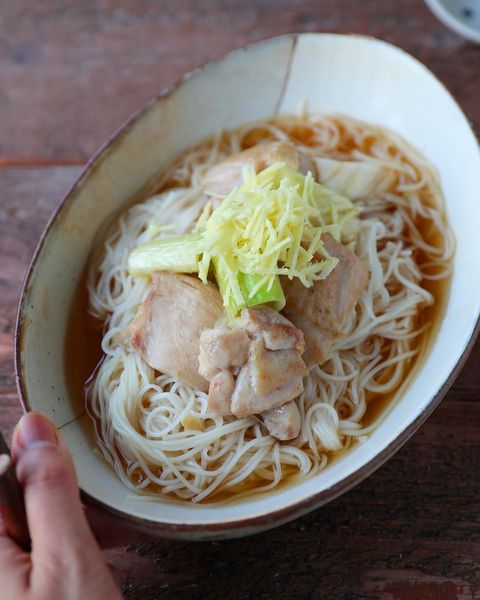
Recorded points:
(177,254)
(274,296)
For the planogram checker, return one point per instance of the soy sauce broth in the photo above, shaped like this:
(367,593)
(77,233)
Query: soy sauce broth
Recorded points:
(82,356)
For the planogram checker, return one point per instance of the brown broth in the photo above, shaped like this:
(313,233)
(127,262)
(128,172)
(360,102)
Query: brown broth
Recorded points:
(84,335)
(379,404)
(83,349)
(82,357)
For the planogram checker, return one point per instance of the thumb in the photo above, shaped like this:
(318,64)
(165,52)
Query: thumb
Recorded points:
(57,524)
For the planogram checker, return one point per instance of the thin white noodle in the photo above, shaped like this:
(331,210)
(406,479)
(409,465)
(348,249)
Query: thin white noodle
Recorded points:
(157,432)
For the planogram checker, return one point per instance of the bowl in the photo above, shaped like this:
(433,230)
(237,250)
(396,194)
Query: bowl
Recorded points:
(358,76)
(462,16)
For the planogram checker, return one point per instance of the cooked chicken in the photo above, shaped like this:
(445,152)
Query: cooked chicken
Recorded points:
(272,369)
(283,422)
(223,177)
(246,401)
(222,348)
(220,392)
(317,341)
(166,329)
(277,331)
(271,372)
(321,310)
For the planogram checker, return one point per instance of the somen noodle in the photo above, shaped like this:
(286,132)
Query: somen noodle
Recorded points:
(157,432)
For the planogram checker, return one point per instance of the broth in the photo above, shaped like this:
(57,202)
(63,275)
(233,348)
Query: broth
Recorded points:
(82,357)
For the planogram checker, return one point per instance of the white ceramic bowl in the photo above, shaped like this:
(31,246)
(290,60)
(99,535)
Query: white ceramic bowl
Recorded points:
(462,16)
(358,76)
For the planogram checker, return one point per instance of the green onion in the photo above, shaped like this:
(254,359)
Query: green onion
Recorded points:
(177,254)
(265,294)
(240,290)
(270,225)
(228,285)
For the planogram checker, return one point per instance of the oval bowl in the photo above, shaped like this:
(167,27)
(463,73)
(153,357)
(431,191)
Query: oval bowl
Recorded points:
(333,73)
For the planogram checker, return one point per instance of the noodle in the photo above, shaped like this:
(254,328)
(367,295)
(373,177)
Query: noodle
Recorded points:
(157,432)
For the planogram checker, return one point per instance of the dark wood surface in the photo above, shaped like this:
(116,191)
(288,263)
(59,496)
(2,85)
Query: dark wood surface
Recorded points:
(70,73)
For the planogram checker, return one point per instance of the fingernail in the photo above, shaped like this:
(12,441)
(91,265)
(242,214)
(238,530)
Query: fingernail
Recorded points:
(35,429)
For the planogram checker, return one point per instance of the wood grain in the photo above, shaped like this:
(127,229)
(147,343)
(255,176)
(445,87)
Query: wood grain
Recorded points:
(28,197)
(73,71)
(70,73)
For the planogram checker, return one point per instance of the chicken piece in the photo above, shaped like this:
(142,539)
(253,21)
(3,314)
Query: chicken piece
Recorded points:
(321,310)
(276,330)
(317,341)
(220,393)
(167,327)
(221,348)
(283,422)
(245,401)
(223,177)
(271,371)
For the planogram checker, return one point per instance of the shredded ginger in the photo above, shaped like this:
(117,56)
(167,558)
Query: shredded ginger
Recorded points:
(272,225)
(269,226)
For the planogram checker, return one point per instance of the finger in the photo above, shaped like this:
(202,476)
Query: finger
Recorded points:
(58,527)
(13,560)
(16,568)
(12,507)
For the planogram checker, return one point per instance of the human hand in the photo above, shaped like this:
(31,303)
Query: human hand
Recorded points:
(65,562)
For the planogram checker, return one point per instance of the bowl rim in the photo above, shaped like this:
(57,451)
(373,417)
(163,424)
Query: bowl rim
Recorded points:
(454,23)
(301,506)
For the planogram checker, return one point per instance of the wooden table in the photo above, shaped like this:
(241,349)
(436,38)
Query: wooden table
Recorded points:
(70,73)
